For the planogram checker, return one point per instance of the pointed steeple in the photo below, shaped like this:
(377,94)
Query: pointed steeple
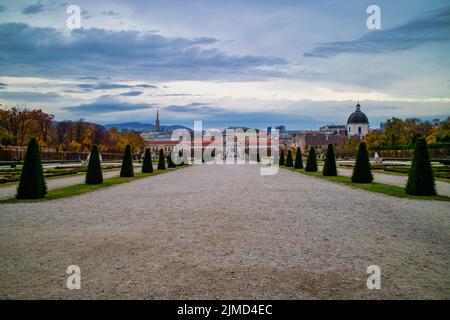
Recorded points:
(157,126)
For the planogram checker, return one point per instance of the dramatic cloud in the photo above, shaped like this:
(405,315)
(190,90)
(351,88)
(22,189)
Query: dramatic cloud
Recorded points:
(106,105)
(2,8)
(131,93)
(33,9)
(32,51)
(112,86)
(433,26)
(3,85)
(193,107)
(110,13)
(29,96)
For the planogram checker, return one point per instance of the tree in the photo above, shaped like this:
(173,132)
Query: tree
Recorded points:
(94,170)
(170,163)
(281,161)
(362,171)
(161,161)
(298,159)
(6,140)
(329,167)
(32,184)
(289,160)
(127,163)
(311,161)
(420,179)
(147,166)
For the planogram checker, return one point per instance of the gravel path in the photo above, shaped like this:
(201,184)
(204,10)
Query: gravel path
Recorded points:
(226,232)
(442,188)
(10,191)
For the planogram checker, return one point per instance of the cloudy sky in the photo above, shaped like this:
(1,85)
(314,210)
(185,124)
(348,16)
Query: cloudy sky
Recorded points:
(302,63)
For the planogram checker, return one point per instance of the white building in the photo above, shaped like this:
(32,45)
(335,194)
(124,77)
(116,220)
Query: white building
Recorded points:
(357,124)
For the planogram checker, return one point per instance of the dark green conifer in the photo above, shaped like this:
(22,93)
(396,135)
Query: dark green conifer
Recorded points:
(329,167)
(282,161)
(289,160)
(147,166)
(421,179)
(32,184)
(311,161)
(298,159)
(127,163)
(94,170)
(161,161)
(362,172)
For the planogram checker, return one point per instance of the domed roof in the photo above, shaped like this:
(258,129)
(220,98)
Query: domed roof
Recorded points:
(358,116)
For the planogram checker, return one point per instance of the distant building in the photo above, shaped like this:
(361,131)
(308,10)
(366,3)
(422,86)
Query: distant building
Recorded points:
(357,124)
(319,140)
(333,129)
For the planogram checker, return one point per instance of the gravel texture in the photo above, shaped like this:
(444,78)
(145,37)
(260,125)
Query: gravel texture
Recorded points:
(226,232)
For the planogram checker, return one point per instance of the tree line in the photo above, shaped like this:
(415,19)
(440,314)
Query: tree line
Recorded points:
(406,132)
(18,124)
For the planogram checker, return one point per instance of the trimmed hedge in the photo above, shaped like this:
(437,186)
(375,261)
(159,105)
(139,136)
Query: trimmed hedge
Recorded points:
(298,159)
(362,172)
(170,163)
(147,166)
(161,161)
(311,161)
(329,167)
(32,184)
(289,160)
(94,170)
(420,179)
(282,162)
(127,163)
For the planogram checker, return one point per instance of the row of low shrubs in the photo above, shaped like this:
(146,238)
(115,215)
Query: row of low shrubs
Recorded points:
(420,176)
(32,182)
(443,145)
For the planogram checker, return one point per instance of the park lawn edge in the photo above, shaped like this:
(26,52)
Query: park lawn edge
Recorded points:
(81,188)
(387,189)
(8,184)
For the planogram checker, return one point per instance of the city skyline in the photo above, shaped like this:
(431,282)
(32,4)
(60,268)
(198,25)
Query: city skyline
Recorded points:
(303,64)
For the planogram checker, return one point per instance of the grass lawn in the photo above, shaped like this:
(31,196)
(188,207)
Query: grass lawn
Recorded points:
(387,189)
(83,188)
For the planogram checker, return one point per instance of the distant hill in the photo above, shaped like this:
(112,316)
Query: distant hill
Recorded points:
(139,126)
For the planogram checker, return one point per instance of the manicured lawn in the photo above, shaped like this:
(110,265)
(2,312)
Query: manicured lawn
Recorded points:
(83,188)
(387,189)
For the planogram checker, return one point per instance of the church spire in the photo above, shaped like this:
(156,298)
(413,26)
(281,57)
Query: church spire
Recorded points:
(157,126)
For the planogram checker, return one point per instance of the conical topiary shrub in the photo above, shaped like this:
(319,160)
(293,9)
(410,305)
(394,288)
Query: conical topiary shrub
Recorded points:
(281,161)
(311,161)
(298,164)
(362,172)
(420,179)
(161,161)
(94,170)
(329,167)
(170,163)
(32,183)
(289,160)
(127,163)
(147,166)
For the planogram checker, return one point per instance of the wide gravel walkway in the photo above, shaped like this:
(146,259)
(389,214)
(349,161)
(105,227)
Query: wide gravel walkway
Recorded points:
(226,232)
